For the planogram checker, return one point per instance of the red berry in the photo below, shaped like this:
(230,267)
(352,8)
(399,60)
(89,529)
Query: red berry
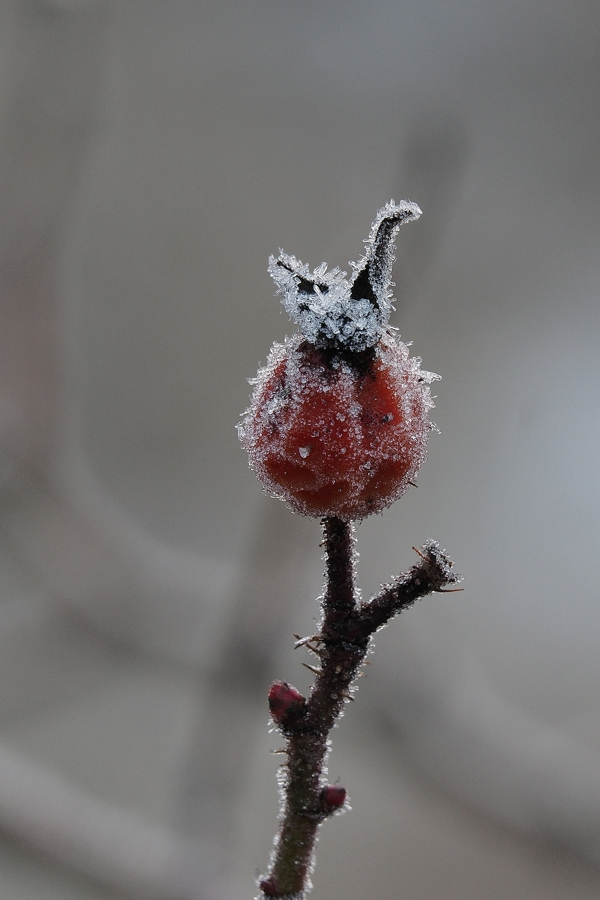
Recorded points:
(338,434)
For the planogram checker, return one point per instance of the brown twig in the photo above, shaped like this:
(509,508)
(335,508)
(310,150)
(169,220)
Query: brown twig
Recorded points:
(345,634)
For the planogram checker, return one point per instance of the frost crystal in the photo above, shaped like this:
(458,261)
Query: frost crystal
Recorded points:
(337,313)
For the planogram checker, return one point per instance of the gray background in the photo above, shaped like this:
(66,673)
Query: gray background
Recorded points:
(152,154)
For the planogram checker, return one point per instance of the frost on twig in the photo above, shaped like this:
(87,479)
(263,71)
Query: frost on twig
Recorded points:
(343,642)
(433,573)
(335,312)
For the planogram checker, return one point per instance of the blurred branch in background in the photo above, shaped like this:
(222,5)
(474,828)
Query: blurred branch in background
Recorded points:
(112,846)
(152,154)
(53,71)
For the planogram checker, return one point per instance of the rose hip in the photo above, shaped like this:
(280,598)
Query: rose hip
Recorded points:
(335,436)
(339,416)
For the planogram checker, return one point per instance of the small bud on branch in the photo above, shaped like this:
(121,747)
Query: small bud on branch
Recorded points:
(333,797)
(286,704)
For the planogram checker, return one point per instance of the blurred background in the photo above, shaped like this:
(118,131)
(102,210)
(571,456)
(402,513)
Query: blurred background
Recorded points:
(153,153)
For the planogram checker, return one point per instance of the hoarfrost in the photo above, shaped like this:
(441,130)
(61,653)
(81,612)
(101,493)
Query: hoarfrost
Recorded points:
(333,311)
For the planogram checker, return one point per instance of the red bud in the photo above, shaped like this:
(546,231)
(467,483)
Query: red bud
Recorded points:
(286,704)
(267,887)
(333,796)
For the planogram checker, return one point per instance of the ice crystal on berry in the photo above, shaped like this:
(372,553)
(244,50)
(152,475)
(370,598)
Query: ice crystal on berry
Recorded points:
(332,311)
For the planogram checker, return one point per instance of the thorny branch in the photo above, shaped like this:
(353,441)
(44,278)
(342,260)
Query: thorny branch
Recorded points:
(341,644)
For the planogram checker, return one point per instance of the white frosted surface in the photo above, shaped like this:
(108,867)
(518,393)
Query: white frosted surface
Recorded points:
(331,310)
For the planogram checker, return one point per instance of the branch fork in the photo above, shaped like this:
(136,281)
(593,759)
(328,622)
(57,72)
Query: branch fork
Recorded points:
(346,629)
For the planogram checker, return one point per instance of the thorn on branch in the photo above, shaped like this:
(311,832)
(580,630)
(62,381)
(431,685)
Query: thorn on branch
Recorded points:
(313,669)
(303,642)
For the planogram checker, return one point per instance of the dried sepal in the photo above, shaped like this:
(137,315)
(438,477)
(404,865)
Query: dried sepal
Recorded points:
(337,313)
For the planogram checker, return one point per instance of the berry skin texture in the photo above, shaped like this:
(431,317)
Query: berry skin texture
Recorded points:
(338,434)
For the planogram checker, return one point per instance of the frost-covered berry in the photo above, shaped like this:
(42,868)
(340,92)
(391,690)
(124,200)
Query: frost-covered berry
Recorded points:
(339,417)
(335,436)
